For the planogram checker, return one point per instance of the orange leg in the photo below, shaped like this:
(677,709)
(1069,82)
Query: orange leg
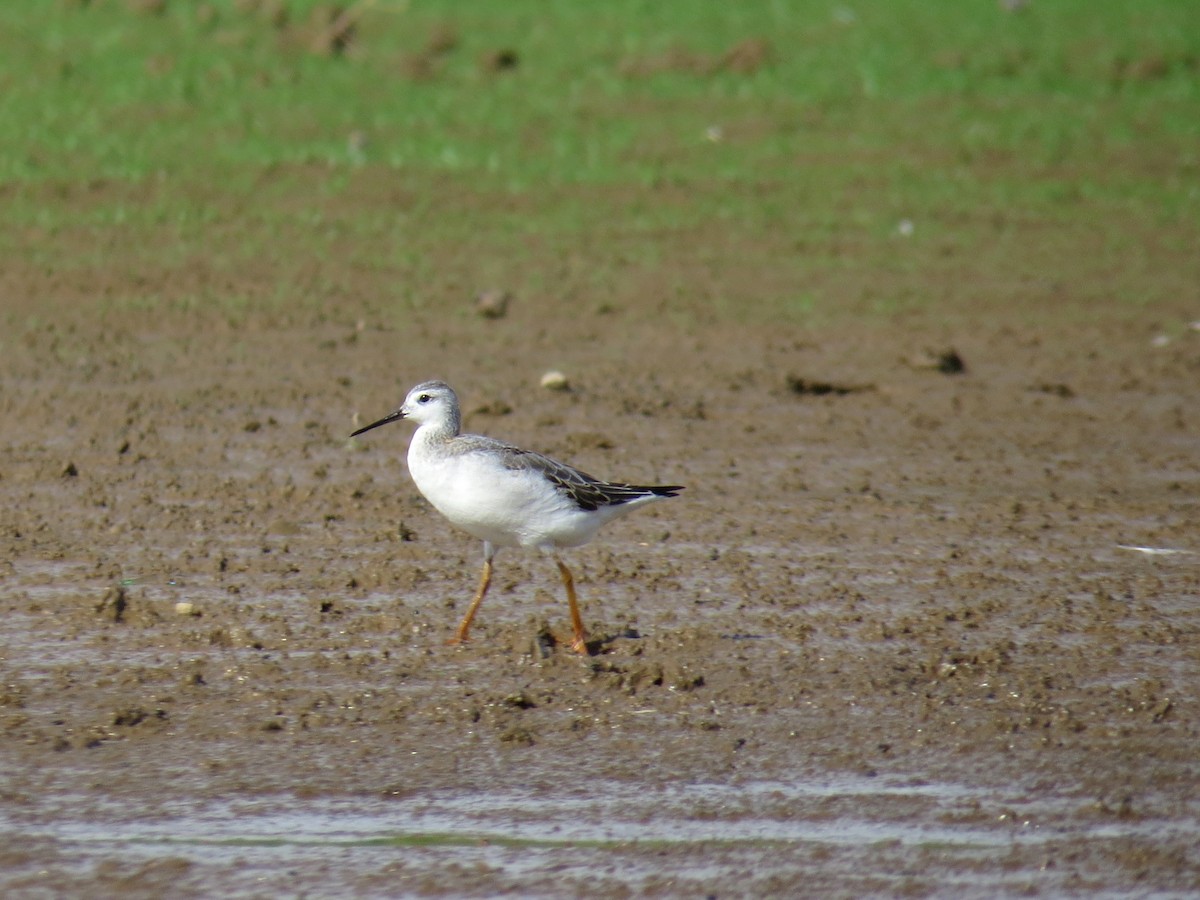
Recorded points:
(464,626)
(579,645)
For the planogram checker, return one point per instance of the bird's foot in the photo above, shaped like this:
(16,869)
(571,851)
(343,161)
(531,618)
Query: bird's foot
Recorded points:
(579,645)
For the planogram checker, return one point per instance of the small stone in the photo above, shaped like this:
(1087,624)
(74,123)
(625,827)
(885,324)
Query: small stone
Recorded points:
(492,304)
(555,380)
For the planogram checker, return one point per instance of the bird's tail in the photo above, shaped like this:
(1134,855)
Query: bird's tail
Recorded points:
(659,490)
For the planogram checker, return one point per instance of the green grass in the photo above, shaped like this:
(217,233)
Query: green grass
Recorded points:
(97,91)
(207,131)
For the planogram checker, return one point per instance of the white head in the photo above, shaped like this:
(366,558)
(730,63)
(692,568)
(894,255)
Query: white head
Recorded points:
(429,403)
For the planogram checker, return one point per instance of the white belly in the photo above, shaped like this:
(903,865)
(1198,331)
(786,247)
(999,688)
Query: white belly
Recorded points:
(506,507)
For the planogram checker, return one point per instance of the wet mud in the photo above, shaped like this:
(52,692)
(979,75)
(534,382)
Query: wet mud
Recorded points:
(910,629)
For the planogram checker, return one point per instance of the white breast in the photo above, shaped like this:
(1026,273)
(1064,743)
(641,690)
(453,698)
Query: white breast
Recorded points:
(508,507)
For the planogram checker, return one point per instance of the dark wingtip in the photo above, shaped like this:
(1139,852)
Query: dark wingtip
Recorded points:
(667,490)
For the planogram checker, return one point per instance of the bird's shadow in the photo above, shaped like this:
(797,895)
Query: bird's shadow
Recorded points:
(602,643)
(548,642)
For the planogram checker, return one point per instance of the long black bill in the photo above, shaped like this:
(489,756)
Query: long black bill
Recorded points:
(390,418)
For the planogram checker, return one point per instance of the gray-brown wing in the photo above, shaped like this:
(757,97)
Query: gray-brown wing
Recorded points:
(585,491)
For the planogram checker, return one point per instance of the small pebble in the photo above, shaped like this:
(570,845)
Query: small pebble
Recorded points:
(555,380)
(493,304)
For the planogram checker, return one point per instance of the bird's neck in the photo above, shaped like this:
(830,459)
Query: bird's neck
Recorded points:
(438,432)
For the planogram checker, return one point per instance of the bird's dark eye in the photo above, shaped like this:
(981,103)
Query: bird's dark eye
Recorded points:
(424,398)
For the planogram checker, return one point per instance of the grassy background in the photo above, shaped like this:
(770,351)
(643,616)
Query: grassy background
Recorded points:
(788,137)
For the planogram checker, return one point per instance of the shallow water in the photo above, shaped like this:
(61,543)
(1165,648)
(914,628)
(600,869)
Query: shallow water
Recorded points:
(615,829)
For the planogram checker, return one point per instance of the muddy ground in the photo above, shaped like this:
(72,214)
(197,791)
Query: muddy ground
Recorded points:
(909,630)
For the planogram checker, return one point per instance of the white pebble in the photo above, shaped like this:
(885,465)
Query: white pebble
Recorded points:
(555,380)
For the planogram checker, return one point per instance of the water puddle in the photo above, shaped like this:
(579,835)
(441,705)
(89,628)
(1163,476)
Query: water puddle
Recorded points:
(511,832)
